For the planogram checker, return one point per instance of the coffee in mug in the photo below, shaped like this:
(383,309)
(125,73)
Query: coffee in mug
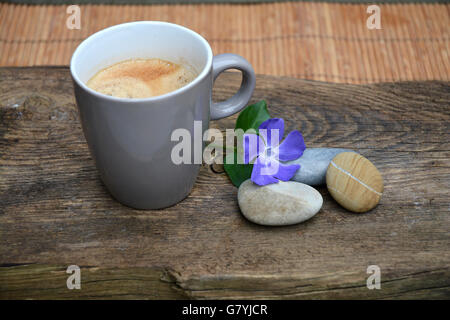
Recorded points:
(142,78)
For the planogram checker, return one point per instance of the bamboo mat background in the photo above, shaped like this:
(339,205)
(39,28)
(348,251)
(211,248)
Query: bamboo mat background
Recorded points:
(317,41)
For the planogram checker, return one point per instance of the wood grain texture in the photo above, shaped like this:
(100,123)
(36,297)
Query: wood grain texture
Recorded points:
(54,211)
(317,41)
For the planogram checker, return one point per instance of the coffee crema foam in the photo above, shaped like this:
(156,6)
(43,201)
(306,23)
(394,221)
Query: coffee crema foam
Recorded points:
(141,78)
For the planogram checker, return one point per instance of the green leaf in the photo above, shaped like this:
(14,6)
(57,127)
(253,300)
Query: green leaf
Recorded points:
(236,170)
(252,116)
(238,173)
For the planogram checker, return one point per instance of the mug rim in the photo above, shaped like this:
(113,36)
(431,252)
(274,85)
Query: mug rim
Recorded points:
(97,34)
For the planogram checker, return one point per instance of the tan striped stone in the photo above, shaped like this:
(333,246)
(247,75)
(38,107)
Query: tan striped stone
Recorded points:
(354,182)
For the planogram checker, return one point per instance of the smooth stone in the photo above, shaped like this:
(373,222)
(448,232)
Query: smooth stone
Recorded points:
(314,163)
(278,204)
(354,182)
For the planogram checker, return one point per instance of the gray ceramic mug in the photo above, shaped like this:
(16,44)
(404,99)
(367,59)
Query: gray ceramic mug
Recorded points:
(130,139)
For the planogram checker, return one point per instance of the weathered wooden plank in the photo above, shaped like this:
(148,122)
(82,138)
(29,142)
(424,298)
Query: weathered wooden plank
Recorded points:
(49,282)
(54,210)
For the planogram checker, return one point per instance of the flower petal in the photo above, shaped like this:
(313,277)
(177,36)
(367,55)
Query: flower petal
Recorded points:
(292,147)
(286,171)
(265,130)
(253,145)
(258,175)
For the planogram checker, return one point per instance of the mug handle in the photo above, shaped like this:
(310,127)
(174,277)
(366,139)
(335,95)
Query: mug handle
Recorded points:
(226,61)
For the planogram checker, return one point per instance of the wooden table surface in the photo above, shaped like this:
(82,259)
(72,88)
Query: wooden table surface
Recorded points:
(55,212)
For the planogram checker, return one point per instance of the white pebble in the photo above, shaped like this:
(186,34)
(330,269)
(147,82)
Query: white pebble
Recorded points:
(278,204)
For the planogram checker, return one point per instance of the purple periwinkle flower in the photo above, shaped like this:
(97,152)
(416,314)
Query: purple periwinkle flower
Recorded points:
(265,151)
